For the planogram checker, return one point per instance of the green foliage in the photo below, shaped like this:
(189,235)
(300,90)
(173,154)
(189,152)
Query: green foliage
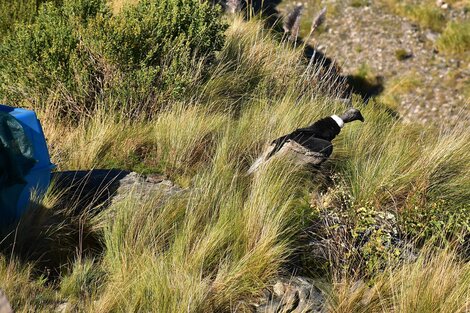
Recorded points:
(15,11)
(47,57)
(85,10)
(441,219)
(427,16)
(359,3)
(155,44)
(360,241)
(425,13)
(75,53)
(218,243)
(18,11)
(402,54)
(143,35)
(375,234)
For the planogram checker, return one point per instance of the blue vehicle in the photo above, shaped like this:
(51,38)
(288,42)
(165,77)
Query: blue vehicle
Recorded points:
(25,167)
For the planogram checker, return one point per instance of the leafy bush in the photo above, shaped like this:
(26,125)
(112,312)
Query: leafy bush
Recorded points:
(18,11)
(75,52)
(144,34)
(352,241)
(402,54)
(47,56)
(154,44)
(441,219)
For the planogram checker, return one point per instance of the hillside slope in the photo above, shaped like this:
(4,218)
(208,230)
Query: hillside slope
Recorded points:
(371,41)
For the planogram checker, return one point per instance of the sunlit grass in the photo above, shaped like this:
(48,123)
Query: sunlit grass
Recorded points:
(455,39)
(435,282)
(425,13)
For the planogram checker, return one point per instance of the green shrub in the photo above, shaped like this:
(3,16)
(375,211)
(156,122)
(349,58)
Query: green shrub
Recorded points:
(75,53)
(18,11)
(47,57)
(85,10)
(144,34)
(359,3)
(441,219)
(402,54)
(352,241)
(157,45)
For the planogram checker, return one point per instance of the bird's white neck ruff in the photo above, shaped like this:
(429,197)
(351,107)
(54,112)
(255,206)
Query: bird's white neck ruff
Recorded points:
(338,120)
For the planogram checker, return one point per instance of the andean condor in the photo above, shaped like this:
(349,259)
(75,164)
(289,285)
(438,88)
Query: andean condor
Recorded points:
(312,144)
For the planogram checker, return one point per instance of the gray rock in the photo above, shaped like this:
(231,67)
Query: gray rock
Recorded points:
(98,189)
(5,306)
(142,188)
(293,295)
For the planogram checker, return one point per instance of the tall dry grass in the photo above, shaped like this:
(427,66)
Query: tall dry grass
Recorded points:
(434,282)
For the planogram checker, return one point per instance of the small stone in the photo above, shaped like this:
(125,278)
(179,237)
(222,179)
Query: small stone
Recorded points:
(279,289)
(63,307)
(431,36)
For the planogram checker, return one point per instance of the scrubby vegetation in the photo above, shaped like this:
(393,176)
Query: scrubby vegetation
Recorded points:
(197,97)
(454,39)
(79,53)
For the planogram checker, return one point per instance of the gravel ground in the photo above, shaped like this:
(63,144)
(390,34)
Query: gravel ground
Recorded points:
(370,37)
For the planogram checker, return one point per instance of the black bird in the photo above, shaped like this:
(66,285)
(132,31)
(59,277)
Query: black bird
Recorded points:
(311,144)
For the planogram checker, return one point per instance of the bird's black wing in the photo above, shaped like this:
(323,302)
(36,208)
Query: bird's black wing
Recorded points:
(318,145)
(299,135)
(325,128)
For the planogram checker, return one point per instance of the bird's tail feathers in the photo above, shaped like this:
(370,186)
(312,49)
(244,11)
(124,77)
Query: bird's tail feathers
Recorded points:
(255,165)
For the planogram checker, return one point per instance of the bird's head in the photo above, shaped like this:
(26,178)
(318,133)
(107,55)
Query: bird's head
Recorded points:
(352,115)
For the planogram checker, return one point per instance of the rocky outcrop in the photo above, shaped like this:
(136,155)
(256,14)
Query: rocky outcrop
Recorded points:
(142,187)
(100,188)
(292,295)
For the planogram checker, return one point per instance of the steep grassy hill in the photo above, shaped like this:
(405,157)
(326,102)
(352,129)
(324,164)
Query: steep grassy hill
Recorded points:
(176,87)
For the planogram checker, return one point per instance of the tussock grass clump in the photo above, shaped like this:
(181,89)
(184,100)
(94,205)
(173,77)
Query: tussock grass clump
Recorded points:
(425,13)
(223,240)
(455,39)
(410,287)
(84,280)
(23,290)
(394,88)
(388,161)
